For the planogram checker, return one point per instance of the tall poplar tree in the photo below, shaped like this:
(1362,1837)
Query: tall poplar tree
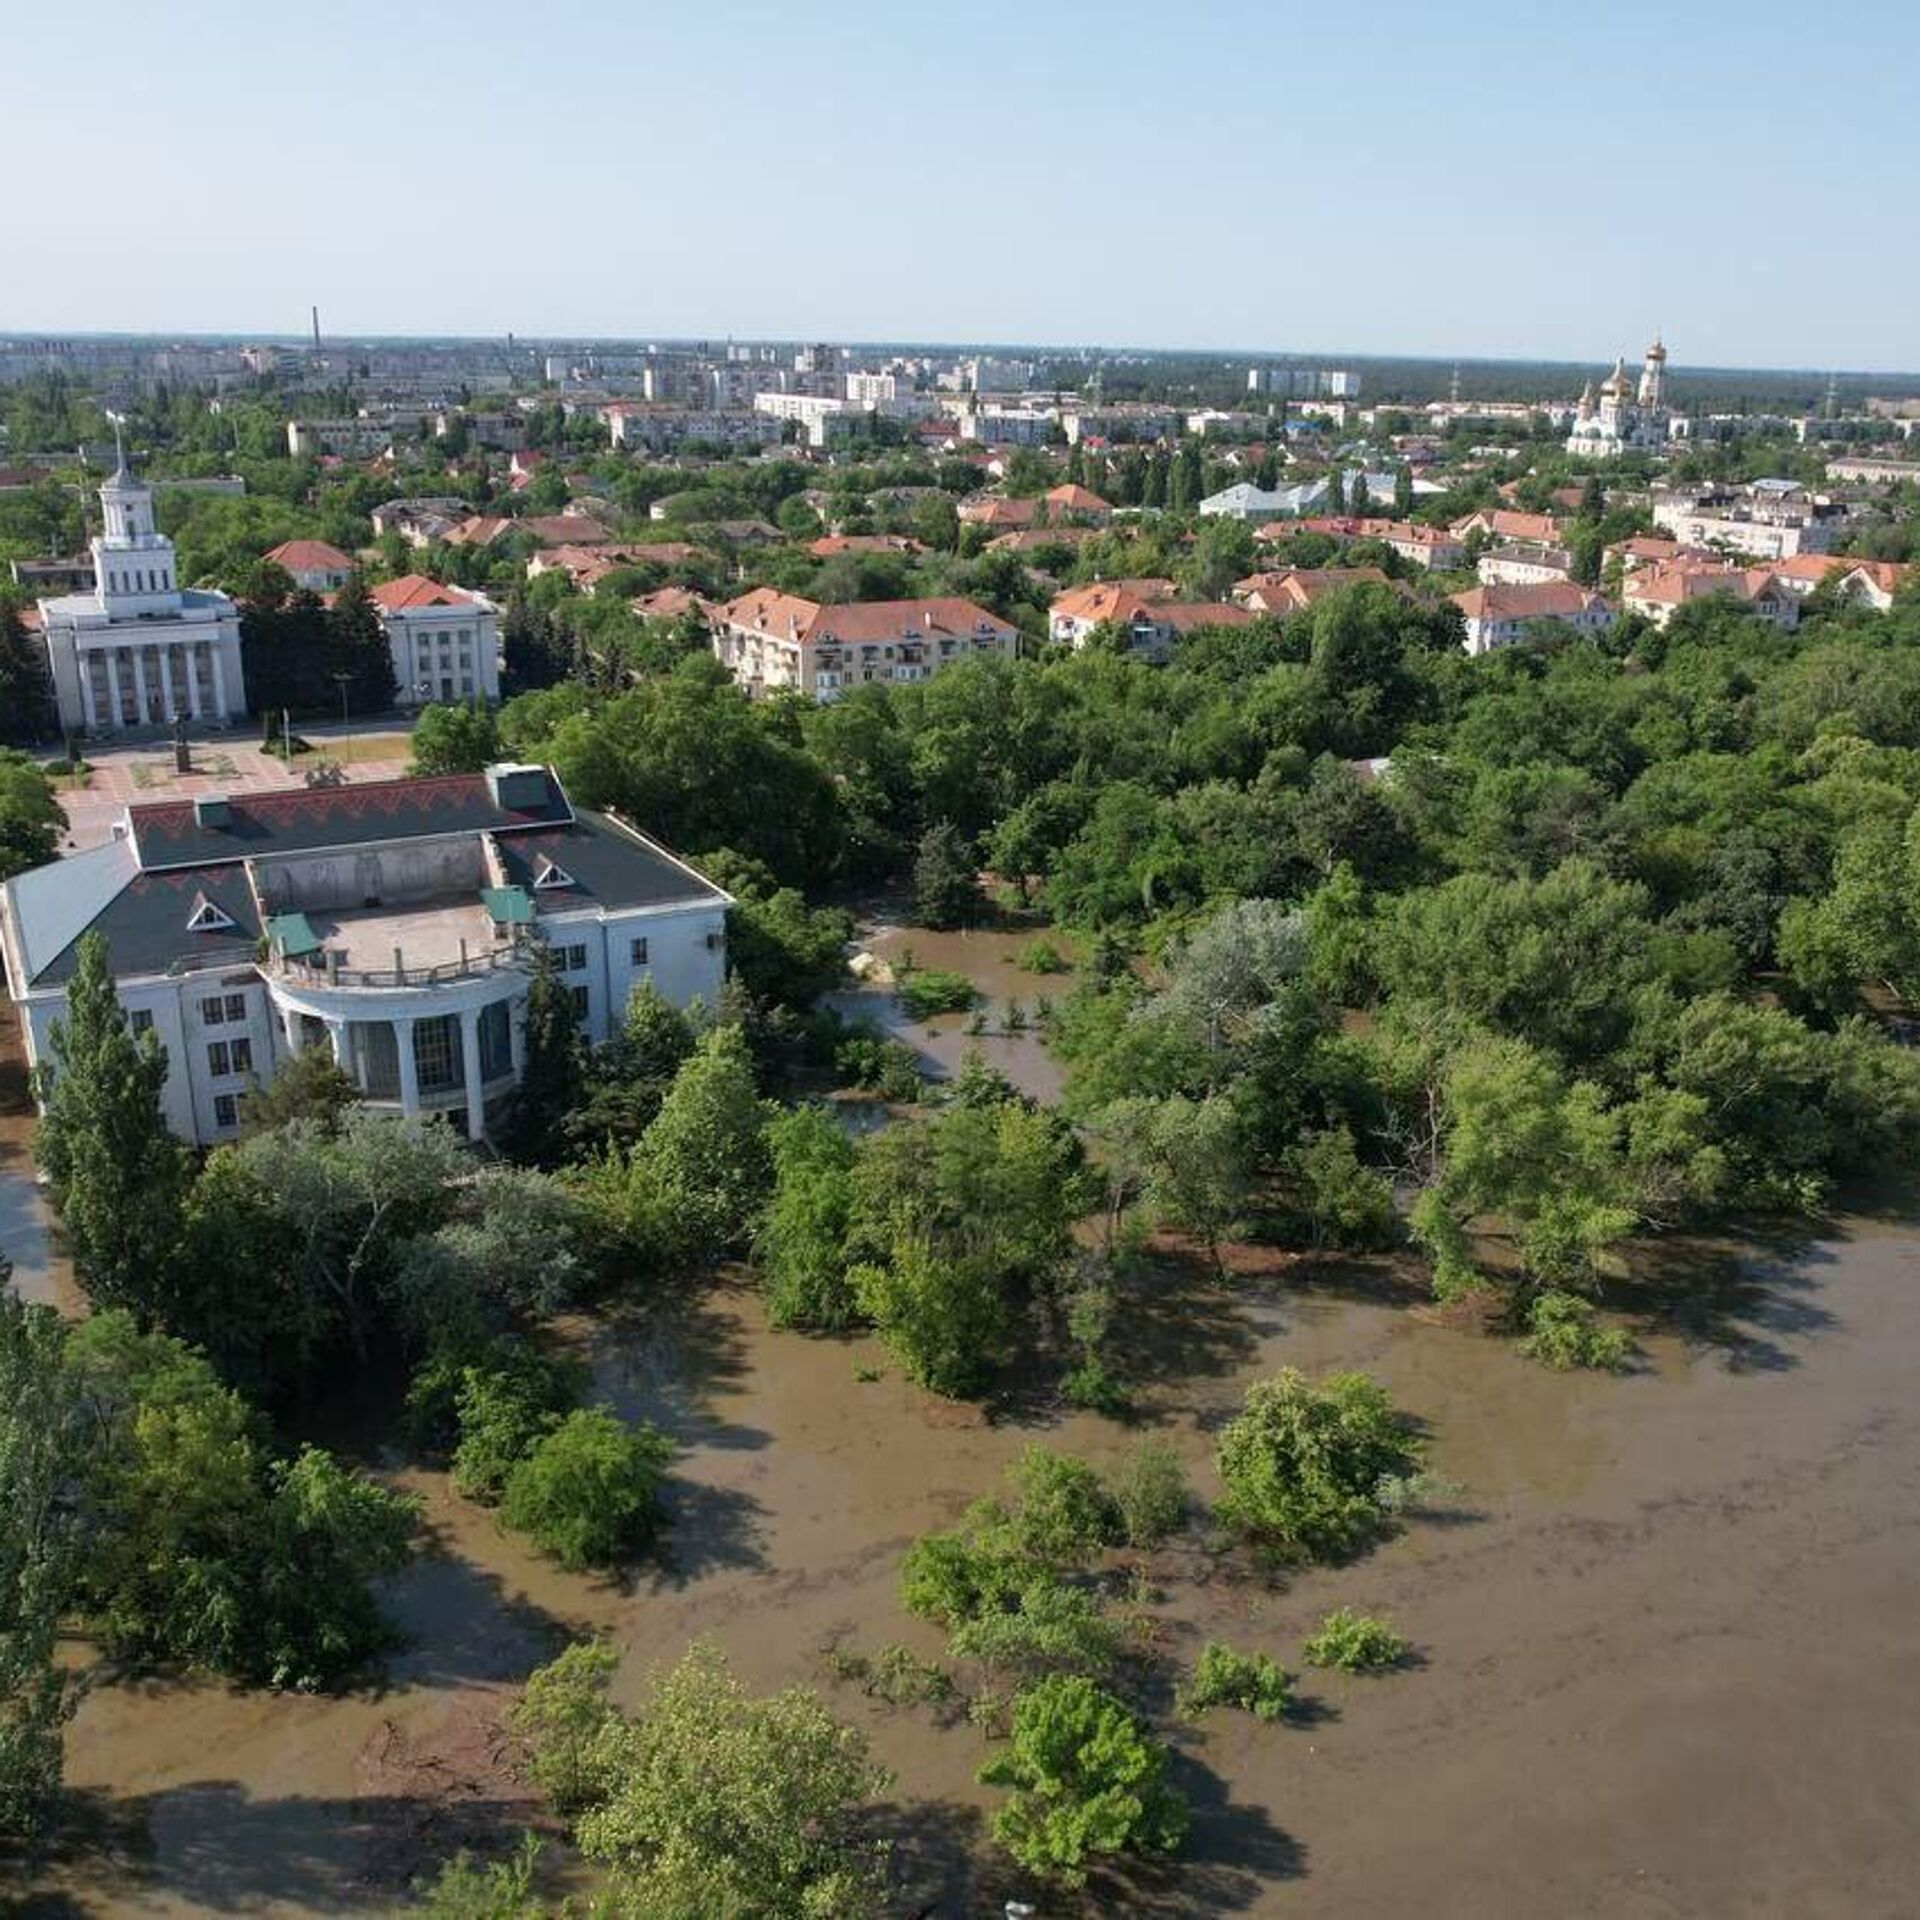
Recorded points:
(119,1175)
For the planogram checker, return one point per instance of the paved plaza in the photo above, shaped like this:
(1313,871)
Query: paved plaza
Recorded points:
(222,763)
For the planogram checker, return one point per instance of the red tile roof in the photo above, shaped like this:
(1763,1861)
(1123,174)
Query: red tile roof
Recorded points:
(416,590)
(766,610)
(309,556)
(1533,600)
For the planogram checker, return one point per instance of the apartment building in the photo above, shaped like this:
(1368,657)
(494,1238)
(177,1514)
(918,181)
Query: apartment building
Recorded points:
(1769,520)
(1658,593)
(1499,615)
(1148,611)
(778,642)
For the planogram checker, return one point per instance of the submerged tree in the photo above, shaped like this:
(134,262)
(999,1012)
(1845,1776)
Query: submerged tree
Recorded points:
(37,1544)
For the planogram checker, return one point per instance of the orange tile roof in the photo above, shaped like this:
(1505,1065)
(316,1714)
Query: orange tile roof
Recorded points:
(766,610)
(1111,600)
(1538,600)
(416,590)
(831,543)
(309,556)
(1076,499)
(1672,586)
(1291,589)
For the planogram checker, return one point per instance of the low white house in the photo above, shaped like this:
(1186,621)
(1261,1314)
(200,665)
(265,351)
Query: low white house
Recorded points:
(1499,616)
(445,640)
(312,565)
(396,922)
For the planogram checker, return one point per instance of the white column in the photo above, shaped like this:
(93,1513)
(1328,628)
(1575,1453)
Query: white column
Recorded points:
(193,679)
(295,1030)
(140,684)
(517,1035)
(470,1068)
(113,686)
(219,683)
(409,1074)
(85,663)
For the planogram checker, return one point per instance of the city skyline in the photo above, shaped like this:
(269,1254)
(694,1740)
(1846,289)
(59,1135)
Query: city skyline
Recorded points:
(1515,190)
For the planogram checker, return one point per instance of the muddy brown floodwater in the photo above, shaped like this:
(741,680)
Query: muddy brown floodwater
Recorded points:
(989,957)
(1668,1656)
(1669,1661)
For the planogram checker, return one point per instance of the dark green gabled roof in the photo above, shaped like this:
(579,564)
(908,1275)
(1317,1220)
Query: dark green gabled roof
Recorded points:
(509,906)
(293,934)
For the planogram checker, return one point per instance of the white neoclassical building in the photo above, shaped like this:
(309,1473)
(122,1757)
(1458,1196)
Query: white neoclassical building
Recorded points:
(140,650)
(395,922)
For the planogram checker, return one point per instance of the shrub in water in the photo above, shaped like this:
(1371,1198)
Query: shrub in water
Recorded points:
(1222,1678)
(1355,1643)
(1565,1332)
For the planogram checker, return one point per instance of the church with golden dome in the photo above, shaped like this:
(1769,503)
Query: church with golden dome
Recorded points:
(1625,418)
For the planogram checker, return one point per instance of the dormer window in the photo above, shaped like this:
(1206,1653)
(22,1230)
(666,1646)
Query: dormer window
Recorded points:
(549,874)
(207,918)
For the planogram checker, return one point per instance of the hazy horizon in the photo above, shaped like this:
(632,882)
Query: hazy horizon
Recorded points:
(1519,185)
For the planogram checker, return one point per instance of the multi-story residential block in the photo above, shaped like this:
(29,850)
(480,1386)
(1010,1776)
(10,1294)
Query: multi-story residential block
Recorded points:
(1874,470)
(445,640)
(1658,593)
(1769,520)
(824,418)
(1861,583)
(1499,616)
(1524,564)
(1304,383)
(140,650)
(497,432)
(1286,590)
(349,439)
(312,565)
(659,428)
(772,642)
(396,923)
(1438,549)
(1147,611)
(1006,426)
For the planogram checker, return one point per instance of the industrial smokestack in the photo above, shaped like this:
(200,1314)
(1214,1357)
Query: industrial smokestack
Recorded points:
(316,329)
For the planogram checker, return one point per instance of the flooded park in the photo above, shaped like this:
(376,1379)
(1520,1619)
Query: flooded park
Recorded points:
(1666,1658)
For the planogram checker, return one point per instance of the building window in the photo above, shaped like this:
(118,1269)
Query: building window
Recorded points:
(573,959)
(218,1060)
(578,995)
(226,1111)
(236,1007)
(140,1021)
(213,1010)
(242,1051)
(637,953)
(436,1053)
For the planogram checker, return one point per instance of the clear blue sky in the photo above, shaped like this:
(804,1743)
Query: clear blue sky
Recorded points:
(1492,177)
